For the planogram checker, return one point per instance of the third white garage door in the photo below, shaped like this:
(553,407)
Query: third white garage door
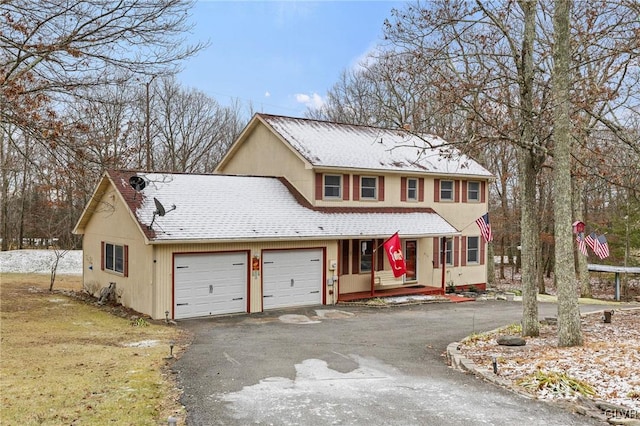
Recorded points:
(292,278)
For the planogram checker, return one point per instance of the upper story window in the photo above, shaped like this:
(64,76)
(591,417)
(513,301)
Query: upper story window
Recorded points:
(473,191)
(446,190)
(332,186)
(473,249)
(368,188)
(412,189)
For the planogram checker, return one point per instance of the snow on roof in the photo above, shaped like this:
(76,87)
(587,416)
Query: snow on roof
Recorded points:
(223,207)
(327,144)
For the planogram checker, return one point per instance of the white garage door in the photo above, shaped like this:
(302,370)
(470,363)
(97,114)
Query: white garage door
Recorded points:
(292,278)
(210,284)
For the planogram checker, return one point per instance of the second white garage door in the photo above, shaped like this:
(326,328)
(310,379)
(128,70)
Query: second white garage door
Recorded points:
(210,284)
(292,278)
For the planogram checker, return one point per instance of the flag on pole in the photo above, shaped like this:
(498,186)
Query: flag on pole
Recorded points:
(601,247)
(591,241)
(485,227)
(393,247)
(582,245)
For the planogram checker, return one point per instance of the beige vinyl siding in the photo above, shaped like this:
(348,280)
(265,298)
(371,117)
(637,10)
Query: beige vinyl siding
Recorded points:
(264,154)
(112,223)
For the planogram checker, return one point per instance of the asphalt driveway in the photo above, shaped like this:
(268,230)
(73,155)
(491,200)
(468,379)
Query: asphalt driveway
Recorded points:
(345,365)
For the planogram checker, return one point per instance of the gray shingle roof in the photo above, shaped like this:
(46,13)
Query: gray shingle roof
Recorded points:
(227,208)
(327,144)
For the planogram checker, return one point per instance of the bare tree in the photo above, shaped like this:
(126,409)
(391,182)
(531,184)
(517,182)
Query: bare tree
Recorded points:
(193,130)
(569,333)
(53,51)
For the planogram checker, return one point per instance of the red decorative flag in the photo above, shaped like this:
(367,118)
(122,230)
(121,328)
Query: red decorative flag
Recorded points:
(485,227)
(393,248)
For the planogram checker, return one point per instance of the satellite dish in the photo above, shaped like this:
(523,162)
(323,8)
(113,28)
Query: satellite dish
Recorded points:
(137,183)
(160,211)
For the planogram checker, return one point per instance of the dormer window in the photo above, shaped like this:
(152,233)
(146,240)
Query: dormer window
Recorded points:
(368,188)
(332,186)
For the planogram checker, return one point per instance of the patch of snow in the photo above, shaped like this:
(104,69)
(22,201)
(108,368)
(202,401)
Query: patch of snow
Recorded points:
(297,319)
(142,344)
(406,299)
(40,261)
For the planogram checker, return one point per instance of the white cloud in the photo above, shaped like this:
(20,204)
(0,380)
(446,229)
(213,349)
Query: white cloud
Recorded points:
(267,94)
(313,101)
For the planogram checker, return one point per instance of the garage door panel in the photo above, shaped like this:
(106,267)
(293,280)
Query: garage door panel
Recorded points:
(210,284)
(292,278)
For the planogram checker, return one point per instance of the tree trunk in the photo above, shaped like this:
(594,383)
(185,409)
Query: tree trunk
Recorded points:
(569,333)
(528,176)
(4,178)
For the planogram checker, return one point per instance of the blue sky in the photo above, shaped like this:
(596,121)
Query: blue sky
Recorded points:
(280,55)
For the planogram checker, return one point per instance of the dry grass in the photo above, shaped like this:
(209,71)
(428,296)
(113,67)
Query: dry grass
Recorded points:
(63,361)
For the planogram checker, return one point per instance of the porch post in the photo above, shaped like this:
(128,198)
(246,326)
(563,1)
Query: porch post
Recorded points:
(373,265)
(443,249)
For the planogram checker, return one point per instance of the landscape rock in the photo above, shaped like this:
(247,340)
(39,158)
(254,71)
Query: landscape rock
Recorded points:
(511,341)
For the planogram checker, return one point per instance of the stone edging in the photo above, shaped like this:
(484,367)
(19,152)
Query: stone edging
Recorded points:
(584,406)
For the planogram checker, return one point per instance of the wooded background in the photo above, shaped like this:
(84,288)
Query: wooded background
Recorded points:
(80,94)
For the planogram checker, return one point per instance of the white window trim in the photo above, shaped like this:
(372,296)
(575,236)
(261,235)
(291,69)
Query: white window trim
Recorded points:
(453,190)
(415,198)
(477,250)
(375,188)
(474,200)
(324,187)
(106,253)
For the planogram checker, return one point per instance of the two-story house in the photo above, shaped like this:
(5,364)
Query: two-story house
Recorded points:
(296,215)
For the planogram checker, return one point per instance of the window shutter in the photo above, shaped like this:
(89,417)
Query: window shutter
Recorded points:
(380,188)
(456,251)
(380,260)
(421,189)
(463,255)
(345,187)
(356,187)
(102,255)
(355,257)
(403,189)
(464,191)
(456,197)
(319,186)
(482,245)
(344,261)
(436,190)
(126,261)
(436,252)
(483,188)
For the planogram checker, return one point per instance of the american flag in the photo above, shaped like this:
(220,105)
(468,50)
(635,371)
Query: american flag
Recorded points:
(485,227)
(591,240)
(582,246)
(601,247)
